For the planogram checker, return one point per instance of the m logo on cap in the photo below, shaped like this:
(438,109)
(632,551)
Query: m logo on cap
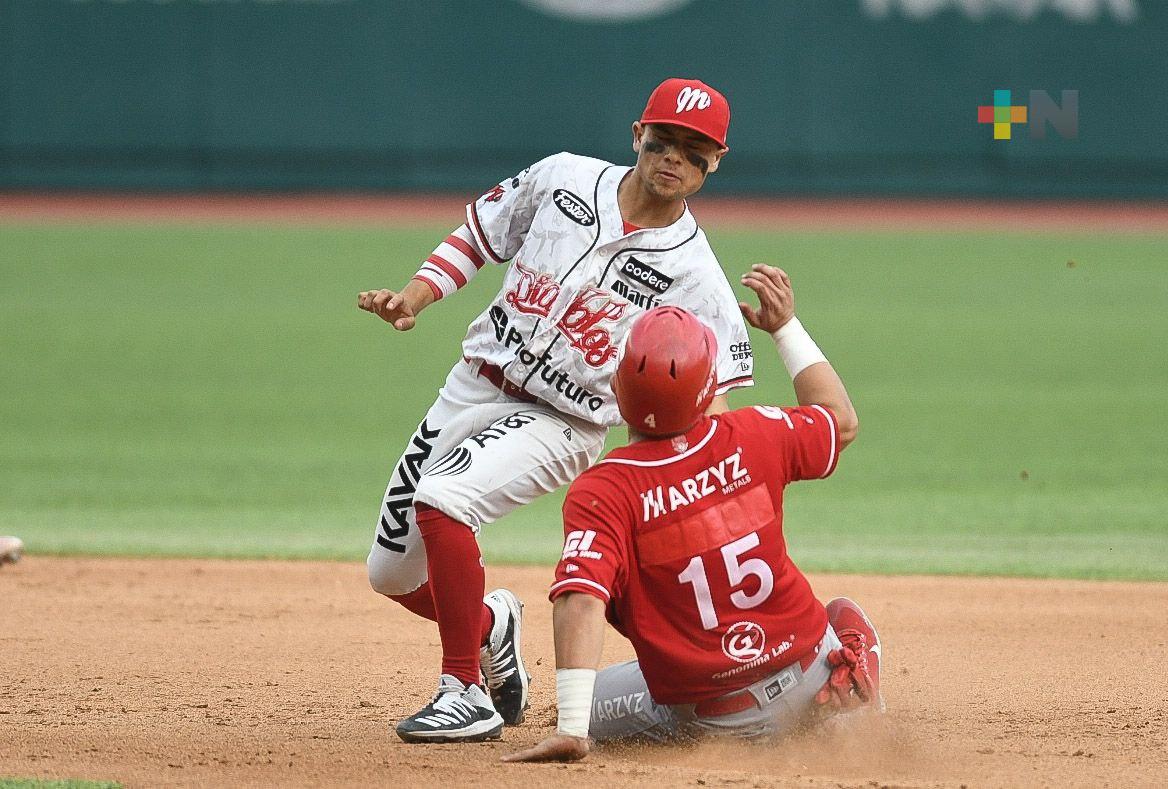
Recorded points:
(691,104)
(690,98)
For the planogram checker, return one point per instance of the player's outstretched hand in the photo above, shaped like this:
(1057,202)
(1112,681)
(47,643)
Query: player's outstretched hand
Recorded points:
(389,306)
(776,300)
(557,748)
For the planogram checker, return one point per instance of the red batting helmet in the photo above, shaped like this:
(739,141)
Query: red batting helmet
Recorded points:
(664,381)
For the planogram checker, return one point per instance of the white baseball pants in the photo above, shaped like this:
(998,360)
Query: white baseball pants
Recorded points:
(478,455)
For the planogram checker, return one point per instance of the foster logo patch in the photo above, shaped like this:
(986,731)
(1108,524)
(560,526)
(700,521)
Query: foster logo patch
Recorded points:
(646,275)
(573,207)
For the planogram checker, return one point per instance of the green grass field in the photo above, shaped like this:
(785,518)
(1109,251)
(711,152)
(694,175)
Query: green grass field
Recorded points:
(213,391)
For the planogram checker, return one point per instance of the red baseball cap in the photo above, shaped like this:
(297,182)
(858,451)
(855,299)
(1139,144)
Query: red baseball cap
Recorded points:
(690,103)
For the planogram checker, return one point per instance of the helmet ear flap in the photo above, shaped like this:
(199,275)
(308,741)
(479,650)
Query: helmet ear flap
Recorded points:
(712,349)
(711,344)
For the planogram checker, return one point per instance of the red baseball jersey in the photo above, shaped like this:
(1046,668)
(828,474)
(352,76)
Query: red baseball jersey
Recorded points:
(683,539)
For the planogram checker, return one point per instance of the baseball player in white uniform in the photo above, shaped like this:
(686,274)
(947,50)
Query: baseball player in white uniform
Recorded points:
(589,246)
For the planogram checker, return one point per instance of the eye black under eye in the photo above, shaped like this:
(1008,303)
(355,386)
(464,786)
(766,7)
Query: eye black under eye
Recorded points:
(697,161)
(690,152)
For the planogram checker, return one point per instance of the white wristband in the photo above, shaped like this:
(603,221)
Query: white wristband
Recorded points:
(574,699)
(796,347)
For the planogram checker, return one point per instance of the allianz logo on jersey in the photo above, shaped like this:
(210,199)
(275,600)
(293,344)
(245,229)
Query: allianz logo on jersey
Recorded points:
(729,474)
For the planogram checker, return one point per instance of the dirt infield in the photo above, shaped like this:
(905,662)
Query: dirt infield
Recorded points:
(205,673)
(395,210)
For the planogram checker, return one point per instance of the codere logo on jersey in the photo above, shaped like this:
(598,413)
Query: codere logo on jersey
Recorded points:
(642,272)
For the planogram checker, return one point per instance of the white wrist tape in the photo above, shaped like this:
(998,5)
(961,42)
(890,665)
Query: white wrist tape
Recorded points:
(574,699)
(796,347)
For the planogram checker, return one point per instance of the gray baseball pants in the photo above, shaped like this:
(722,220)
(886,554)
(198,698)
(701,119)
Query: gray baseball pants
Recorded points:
(622,708)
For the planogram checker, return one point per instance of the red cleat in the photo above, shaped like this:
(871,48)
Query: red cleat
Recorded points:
(857,634)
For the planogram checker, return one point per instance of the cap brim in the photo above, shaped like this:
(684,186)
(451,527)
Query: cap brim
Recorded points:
(690,126)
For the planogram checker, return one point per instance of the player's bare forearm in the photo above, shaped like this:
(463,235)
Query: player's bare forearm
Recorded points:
(418,294)
(817,383)
(398,308)
(578,621)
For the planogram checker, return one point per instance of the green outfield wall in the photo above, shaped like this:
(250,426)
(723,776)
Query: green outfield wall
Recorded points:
(828,97)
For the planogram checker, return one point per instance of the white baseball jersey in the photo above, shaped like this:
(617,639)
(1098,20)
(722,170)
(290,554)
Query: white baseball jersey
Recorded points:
(577,281)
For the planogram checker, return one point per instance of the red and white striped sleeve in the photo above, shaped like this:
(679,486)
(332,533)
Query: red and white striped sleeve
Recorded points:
(453,264)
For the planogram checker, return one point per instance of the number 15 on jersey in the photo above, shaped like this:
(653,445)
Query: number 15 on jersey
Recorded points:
(738,570)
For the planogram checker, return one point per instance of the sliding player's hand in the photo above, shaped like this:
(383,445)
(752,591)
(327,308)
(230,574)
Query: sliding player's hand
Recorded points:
(557,748)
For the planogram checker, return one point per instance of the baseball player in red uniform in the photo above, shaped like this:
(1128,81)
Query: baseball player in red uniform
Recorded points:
(590,245)
(678,539)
